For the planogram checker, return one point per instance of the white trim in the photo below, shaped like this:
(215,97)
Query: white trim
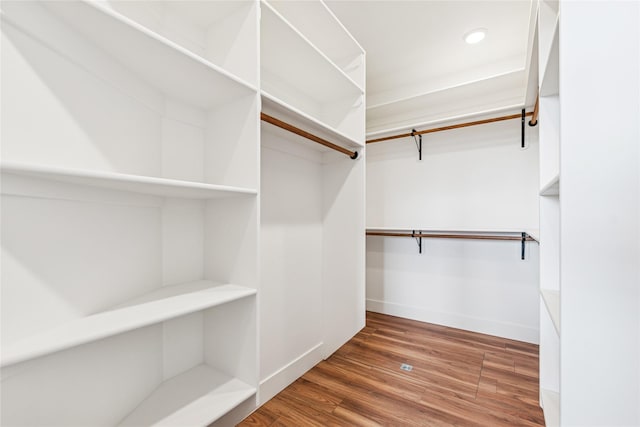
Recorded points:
(484,326)
(280,379)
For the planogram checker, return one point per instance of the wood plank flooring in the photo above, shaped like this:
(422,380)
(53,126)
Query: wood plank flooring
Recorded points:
(459,378)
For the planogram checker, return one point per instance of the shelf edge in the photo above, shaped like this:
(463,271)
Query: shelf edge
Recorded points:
(87,333)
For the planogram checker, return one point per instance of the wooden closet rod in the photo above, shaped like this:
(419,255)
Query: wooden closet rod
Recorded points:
(418,235)
(447,236)
(286,126)
(456,126)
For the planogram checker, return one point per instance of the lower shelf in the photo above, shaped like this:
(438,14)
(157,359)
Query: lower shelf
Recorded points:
(551,407)
(163,304)
(197,397)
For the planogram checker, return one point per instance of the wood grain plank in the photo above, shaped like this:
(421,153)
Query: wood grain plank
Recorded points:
(459,378)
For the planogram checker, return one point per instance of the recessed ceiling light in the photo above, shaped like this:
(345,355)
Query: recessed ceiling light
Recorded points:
(475,36)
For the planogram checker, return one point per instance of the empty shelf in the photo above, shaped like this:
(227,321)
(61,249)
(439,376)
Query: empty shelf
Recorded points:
(130,183)
(197,397)
(550,79)
(189,78)
(552,302)
(279,40)
(271,104)
(155,307)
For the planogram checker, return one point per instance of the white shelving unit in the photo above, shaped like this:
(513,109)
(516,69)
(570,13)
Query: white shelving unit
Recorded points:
(550,290)
(589,212)
(334,98)
(129,194)
(312,230)
(135,205)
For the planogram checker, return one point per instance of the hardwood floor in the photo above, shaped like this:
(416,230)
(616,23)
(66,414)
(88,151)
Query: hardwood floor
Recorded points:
(458,378)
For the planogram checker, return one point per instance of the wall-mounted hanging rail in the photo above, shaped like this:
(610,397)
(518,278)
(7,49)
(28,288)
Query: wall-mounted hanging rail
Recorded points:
(522,237)
(533,114)
(286,126)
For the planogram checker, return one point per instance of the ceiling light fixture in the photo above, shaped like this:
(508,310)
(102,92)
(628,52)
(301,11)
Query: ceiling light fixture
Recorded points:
(475,36)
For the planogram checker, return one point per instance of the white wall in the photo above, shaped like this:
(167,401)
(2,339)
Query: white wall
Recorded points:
(475,178)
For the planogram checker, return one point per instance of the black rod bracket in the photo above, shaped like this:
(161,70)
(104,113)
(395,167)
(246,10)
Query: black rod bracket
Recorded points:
(522,132)
(418,239)
(522,245)
(418,142)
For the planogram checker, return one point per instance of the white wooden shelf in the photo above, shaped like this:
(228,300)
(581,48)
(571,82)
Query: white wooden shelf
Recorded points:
(197,397)
(279,39)
(290,114)
(549,85)
(499,93)
(551,188)
(163,304)
(321,27)
(534,234)
(377,132)
(130,183)
(173,69)
(551,407)
(551,300)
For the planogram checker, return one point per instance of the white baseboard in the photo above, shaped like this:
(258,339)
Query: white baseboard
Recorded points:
(454,320)
(284,376)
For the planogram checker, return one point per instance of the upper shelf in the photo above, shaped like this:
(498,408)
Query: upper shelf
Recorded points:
(550,79)
(280,109)
(189,77)
(130,183)
(321,27)
(290,59)
(163,304)
(197,397)
(477,98)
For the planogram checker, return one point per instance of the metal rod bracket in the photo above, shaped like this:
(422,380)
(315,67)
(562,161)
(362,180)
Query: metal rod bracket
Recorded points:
(522,131)
(418,142)
(418,239)
(522,245)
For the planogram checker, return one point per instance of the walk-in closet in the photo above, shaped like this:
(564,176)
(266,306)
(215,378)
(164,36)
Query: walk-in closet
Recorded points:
(320,212)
